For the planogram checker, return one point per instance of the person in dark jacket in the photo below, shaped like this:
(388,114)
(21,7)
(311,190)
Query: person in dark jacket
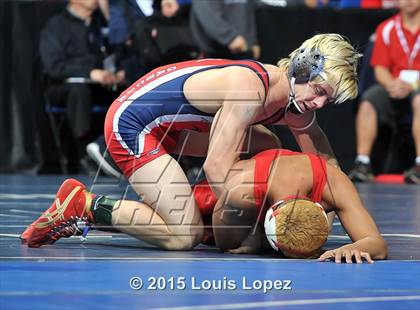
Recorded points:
(225,28)
(79,69)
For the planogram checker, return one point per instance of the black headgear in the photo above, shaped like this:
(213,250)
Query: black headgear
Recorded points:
(306,65)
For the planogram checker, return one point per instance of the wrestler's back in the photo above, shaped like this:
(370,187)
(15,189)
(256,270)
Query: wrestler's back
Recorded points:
(293,173)
(289,176)
(207,90)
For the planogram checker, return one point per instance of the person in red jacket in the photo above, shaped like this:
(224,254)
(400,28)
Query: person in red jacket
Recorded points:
(396,63)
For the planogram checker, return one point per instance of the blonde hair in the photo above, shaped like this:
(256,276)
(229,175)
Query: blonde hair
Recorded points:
(340,65)
(301,228)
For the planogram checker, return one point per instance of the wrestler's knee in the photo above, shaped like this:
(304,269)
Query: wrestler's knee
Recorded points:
(185,241)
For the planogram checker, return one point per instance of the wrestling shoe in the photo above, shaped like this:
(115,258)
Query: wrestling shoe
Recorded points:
(412,175)
(361,172)
(66,217)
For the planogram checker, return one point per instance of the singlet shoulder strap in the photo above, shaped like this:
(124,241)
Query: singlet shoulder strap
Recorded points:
(319,172)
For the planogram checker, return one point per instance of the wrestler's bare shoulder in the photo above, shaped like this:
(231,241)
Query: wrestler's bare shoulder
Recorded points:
(293,173)
(274,73)
(207,90)
(219,79)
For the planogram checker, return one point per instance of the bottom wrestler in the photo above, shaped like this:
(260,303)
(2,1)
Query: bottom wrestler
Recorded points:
(269,177)
(251,186)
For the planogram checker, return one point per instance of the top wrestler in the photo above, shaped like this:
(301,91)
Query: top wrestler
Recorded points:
(171,110)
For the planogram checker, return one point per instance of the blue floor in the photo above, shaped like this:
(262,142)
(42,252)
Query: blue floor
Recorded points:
(96,274)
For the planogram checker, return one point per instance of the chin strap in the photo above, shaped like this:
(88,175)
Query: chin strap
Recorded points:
(292,105)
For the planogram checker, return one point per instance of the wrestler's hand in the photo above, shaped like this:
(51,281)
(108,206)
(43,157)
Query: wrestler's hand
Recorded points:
(244,249)
(348,253)
(251,245)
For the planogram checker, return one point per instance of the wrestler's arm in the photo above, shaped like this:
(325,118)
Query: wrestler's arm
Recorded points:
(243,102)
(256,242)
(232,224)
(235,213)
(367,241)
(310,137)
(235,228)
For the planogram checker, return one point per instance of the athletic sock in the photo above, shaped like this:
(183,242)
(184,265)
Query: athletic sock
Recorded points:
(417,161)
(102,210)
(364,159)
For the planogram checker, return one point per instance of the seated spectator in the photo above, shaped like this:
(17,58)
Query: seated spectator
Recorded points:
(367,4)
(146,34)
(150,33)
(225,29)
(378,4)
(170,32)
(396,63)
(73,45)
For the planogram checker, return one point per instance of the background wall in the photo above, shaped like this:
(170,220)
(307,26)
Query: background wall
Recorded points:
(21,117)
(280,30)
(24,132)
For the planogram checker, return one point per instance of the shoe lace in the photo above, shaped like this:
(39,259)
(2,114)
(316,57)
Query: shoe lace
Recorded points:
(75,226)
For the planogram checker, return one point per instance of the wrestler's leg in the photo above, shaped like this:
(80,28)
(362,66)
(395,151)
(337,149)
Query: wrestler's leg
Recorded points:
(168,217)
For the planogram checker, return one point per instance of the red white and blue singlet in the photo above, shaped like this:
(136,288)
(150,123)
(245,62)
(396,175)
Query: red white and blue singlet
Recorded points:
(145,121)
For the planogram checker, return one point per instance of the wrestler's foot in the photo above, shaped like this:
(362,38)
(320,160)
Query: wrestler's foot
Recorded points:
(67,216)
(412,175)
(361,172)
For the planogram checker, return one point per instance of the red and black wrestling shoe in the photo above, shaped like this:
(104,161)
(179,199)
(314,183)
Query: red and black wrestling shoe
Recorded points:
(67,216)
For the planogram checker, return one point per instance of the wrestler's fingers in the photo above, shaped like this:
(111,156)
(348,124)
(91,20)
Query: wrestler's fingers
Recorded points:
(357,256)
(348,256)
(240,250)
(326,255)
(366,256)
(338,256)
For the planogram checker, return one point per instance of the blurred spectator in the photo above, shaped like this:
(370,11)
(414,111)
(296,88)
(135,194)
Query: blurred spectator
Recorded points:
(73,45)
(145,34)
(316,3)
(169,8)
(396,62)
(378,4)
(149,33)
(367,4)
(172,34)
(225,28)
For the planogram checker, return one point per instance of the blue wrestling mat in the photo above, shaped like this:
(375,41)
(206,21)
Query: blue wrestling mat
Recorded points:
(115,271)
